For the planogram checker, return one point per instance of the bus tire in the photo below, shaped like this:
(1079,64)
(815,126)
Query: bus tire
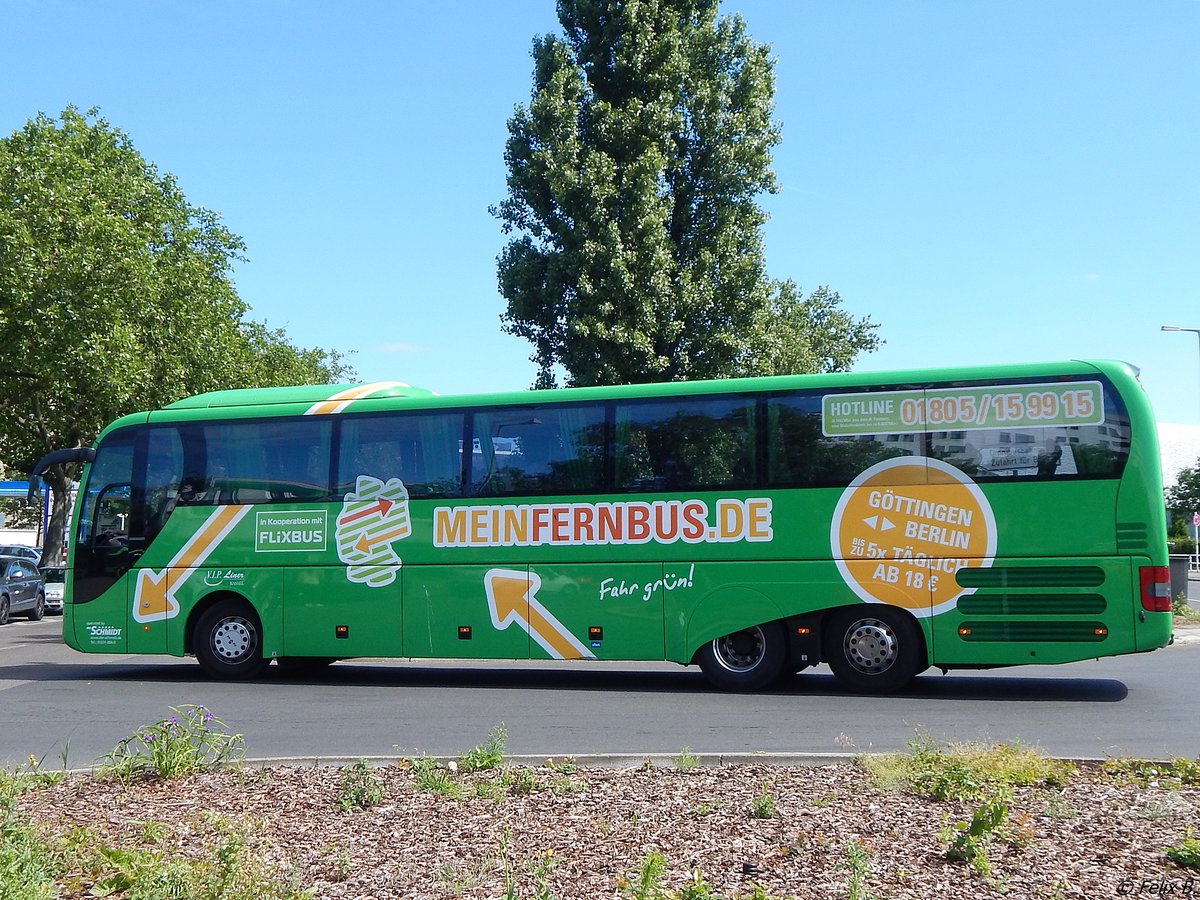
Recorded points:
(873,648)
(746,660)
(228,641)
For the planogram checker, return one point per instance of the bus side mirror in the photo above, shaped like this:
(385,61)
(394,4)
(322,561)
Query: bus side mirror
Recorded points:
(54,458)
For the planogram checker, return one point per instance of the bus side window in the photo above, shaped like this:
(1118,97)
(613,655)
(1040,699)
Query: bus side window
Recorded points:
(1028,451)
(278,461)
(418,449)
(540,450)
(685,444)
(164,471)
(799,454)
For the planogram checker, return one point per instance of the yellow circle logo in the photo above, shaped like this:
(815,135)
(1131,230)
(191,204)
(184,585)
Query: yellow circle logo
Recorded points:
(905,526)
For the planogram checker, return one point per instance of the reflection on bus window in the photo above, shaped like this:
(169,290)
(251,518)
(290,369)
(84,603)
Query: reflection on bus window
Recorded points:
(539,450)
(800,455)
(685,444)
(420,450)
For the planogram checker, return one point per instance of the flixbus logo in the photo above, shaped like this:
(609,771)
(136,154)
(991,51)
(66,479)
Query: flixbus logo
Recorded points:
(591,524)
(295,531)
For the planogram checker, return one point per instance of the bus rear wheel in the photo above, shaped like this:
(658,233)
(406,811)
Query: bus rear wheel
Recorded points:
(746,660)
(228,641)
(874,648)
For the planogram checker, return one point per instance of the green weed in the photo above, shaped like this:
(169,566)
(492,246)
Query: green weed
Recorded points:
(359,788)
(27,864)
(965,773)
(153,832)
(763,805)
(487,755)
(858,863)
(432,777)
(565,766)
(190,740)
(1182,609)
(229,871)
(1186,853)
(521,782)
(968,841)
(686,760)
(647,884)
(563,785)
(1172,773)
(698,889)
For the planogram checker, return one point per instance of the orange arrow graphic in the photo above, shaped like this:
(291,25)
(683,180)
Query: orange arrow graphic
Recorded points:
(154,594)
(511,595)
(381,506)
(151,596)
(367,541)
(342,399)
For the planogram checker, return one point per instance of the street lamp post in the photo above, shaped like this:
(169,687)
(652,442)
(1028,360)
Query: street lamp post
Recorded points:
(1195,331)
(1195,561)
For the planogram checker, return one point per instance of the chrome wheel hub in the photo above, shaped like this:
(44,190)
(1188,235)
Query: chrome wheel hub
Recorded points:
(234,639)
(871,646)
(740,651)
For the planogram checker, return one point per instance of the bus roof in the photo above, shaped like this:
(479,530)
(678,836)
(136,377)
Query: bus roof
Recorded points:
(337,393)
(313,393)
(336,398)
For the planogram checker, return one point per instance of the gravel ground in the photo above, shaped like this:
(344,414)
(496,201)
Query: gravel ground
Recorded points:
(557,831)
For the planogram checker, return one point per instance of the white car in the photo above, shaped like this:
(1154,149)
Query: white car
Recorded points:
(21,552)
(55,578)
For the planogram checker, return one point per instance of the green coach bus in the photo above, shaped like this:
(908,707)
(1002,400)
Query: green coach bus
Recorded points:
(880,523)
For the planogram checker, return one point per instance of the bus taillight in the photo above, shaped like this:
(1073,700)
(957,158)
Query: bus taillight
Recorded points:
(1156,588)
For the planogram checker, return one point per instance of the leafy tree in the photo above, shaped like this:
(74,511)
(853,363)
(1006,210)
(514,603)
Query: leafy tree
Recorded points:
(1183,498)
(115,295)
(633,178)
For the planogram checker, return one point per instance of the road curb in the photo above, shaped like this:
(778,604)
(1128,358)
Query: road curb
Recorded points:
(613,760)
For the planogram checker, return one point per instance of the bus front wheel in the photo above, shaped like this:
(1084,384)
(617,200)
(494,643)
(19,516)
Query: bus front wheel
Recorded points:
(874,648)
(228,641)
(746,660)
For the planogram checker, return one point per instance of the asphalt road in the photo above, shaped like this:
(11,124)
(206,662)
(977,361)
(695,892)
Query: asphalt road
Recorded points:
(57,703)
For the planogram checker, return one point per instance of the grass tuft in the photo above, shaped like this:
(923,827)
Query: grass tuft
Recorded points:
(965,773)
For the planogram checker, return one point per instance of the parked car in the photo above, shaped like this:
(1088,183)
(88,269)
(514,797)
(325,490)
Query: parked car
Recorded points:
(21,589)
(21,552)
(55,578)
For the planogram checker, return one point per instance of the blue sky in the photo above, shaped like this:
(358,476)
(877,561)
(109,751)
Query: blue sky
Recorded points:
(988,181)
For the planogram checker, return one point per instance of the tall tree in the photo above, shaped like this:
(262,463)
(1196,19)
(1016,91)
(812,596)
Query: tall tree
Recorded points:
(633,183)
(1183,497)
(115,295)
